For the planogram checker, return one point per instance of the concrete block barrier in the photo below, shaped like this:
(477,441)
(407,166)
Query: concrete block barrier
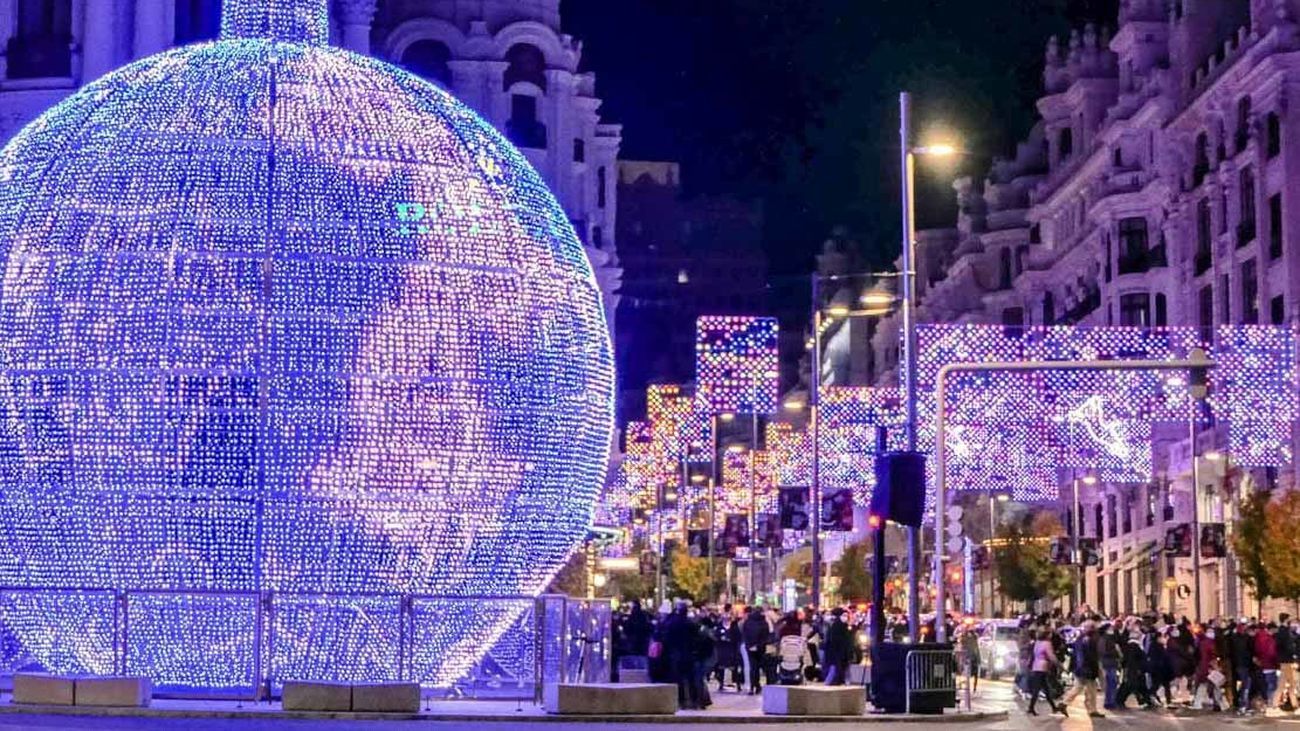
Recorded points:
(386,697)
(44,689)
(813,700)
(114,691)
(611,699)
(312,695)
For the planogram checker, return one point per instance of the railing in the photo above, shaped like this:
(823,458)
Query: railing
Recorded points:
(929,672)
(243,645)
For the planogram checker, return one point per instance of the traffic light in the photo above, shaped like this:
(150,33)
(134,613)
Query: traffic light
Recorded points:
(980,558)
(1060,550)
(956,541)
(954,576)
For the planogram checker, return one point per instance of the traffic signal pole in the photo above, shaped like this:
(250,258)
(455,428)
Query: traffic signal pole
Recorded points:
(1196,364)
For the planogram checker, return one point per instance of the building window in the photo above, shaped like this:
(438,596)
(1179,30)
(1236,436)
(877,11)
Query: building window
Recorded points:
(1096,520)
(196,20)
(1135,310)
(43,46)
(1049,309)
(1273,133)
(1133,247)
(1201,167)
(1249,293)
(523,128)
(1065,143)
(600,187)
(1277,310)
(1004,269)
(1036,234)
(1013,319)
(1127,514)
(527,64)
(428,59)
(1225,310)
(1204,240)
(1162,310)
(1112,517)
(1275,226)
(1246,226)
(1205,312)
(1243,124)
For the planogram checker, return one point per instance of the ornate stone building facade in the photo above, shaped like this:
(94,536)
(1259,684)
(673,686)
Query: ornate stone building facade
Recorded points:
(508,59)
(1157,188)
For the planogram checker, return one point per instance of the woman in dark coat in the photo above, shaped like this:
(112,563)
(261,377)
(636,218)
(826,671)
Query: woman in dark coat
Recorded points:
(839,648)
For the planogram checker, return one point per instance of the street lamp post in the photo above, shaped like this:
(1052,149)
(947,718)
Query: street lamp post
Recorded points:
(814,404)
(909,354)
(907,161)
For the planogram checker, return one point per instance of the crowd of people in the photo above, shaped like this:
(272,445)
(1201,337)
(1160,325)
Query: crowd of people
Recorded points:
(737,648)
(1154,661)
(1246,665)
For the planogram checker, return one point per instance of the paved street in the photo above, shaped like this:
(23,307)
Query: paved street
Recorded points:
(992,695)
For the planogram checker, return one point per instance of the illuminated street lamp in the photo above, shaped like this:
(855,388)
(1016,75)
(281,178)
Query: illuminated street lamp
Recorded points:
(908,162)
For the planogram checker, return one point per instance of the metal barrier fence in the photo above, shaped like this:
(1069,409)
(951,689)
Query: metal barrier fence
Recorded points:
(243,645)
(929,672)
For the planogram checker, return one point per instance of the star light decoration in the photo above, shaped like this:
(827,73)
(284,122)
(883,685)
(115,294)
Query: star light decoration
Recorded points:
(282,319)
(1038,423)
(736,363)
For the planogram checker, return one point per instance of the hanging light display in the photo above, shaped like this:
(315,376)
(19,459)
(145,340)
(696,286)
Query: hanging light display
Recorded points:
(736,363)
(1039,422)
(280,318)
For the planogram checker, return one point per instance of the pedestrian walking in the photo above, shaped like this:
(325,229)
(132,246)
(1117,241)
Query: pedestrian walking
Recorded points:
(1087,669)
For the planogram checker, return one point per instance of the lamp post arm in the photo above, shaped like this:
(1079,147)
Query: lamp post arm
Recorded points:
(941,442)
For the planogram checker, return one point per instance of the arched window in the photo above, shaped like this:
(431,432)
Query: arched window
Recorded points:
(1201,167)
(41,47)
(1243,124)
(1004,269)
(428,59)
(197,20)
(524,127)
(526,64)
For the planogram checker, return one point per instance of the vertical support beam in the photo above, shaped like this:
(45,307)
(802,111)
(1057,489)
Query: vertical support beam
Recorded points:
(98,39)
(155,27)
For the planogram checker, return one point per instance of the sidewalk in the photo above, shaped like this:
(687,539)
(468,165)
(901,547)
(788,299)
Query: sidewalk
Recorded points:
(728,708)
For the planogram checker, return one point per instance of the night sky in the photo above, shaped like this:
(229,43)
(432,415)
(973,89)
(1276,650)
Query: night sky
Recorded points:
(795,101)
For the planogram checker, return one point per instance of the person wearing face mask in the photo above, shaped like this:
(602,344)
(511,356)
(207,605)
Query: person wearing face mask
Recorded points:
(1207,671)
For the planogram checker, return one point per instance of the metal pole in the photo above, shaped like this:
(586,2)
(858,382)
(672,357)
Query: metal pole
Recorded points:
(713,503)
(909,351)
(941,491)
(815,401)
(753,508)
(993,534)
(1196,514)
(878,568)
(1076,527)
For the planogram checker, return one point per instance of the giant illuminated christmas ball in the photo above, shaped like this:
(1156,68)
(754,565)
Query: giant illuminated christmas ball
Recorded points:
(285,333)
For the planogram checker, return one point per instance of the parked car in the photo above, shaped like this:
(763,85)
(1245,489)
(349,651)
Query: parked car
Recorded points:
(999,647)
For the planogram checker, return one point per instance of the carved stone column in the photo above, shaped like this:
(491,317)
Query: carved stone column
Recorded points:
(355,19)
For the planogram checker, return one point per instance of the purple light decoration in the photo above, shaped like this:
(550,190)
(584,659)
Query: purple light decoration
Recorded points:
(282,319)
(682,419)
(736,363)
(1042,422)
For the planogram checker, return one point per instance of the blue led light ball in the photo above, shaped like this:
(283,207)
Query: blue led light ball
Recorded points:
(280,320)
